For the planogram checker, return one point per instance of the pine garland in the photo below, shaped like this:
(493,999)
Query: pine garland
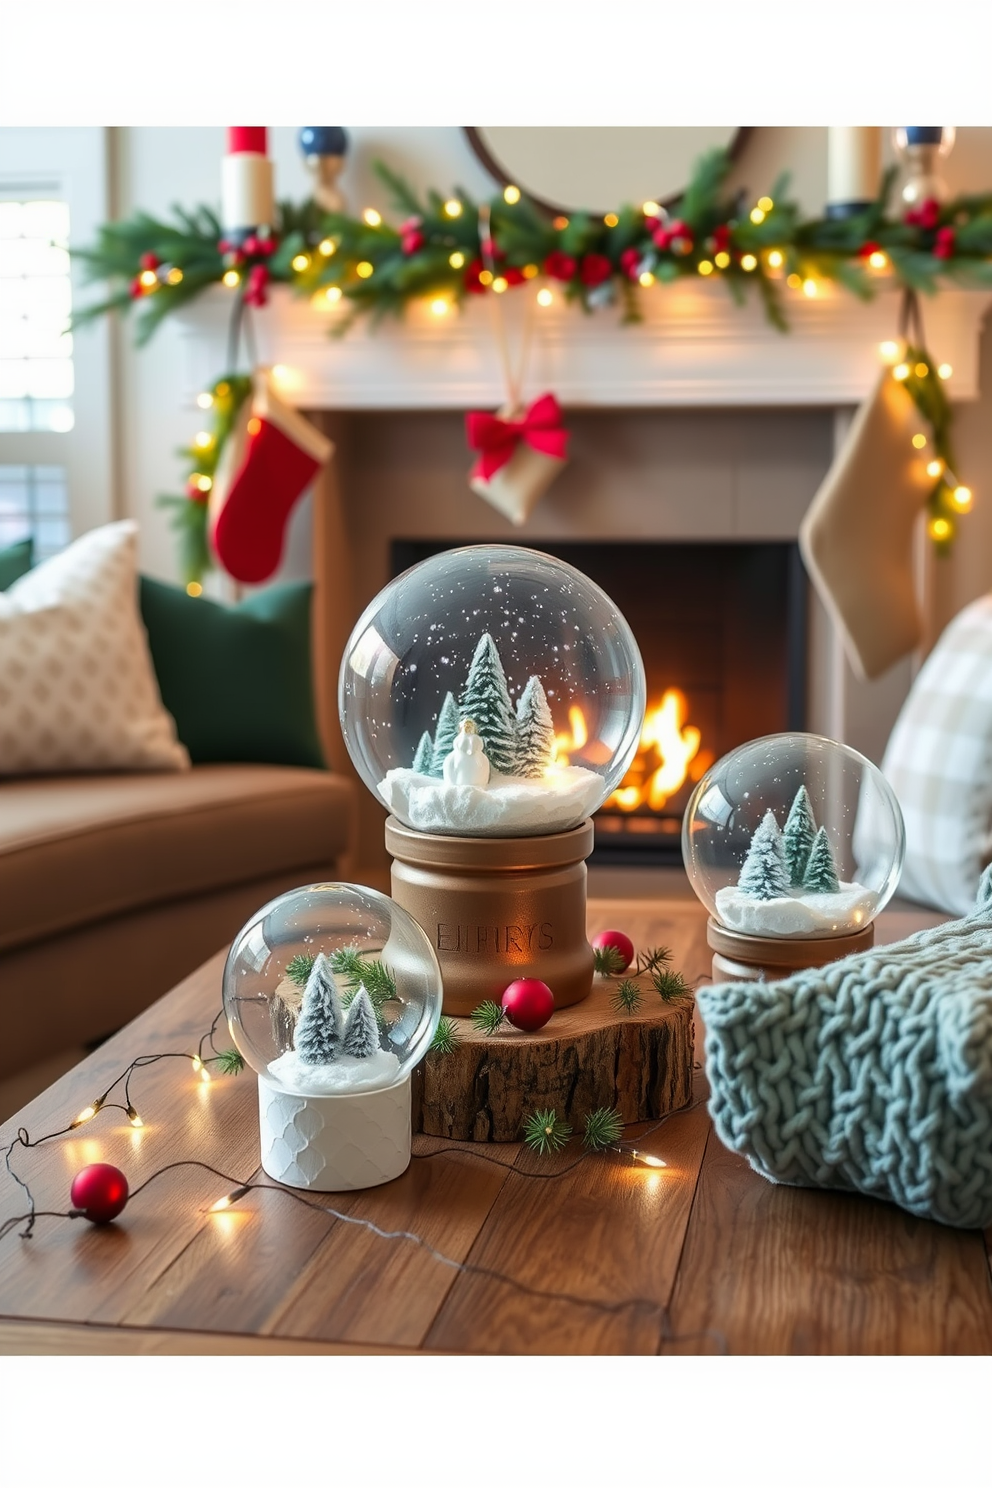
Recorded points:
(378,269)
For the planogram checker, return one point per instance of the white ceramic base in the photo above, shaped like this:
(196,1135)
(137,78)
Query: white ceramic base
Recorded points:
(332,1143)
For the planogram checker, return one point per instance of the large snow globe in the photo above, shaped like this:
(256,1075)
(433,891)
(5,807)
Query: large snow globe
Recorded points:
(794,836)
(333,993)
(492,691)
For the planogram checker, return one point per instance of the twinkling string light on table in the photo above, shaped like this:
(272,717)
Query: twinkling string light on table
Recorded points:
(240,1189)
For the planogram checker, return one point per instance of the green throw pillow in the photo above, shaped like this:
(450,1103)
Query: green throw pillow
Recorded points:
(15,562)
(237,681)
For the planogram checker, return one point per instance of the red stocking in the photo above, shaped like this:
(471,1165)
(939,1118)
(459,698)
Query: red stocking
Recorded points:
(272,455)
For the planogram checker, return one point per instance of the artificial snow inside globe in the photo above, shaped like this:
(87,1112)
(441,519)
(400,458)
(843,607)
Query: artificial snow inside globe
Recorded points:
(492,691)
(794,836)
(333,993)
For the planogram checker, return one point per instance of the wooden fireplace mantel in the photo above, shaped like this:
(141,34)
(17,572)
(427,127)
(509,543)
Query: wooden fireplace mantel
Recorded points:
(694,349)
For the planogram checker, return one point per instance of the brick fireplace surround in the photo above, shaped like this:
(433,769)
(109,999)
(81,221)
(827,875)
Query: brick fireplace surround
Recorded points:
(703,424)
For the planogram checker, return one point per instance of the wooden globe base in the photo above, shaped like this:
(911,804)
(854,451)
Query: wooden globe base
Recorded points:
(588,1056)
(498,908)
(751,958)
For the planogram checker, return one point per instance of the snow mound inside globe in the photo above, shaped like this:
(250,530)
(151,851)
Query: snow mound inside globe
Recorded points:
(506,807)
(343,1077)
(841,913)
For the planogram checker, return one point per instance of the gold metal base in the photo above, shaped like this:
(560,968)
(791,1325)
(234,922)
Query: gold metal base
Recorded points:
(750,958)
(498,908)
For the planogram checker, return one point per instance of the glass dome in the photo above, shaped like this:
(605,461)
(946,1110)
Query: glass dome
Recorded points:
(794,835)
(294,998)
(492,691)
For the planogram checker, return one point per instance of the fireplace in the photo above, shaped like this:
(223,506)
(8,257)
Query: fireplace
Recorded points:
(722,630)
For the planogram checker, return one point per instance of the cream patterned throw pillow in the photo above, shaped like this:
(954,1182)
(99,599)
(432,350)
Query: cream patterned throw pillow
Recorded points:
(77,688)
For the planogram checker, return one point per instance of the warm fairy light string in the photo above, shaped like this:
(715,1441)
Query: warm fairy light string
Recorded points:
(242,1190)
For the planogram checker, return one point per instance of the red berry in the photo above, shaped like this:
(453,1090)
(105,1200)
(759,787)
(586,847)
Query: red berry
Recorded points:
(615,940)
(149,261)
(528,1004)
(99,1192)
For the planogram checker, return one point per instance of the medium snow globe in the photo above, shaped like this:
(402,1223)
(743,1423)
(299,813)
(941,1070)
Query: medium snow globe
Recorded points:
(333,993)
(492,698)
(792,838)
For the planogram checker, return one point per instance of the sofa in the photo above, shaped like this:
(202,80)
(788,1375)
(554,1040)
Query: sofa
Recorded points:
(115,886)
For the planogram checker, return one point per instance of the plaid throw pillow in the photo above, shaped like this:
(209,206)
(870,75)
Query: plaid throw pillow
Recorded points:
(939,763)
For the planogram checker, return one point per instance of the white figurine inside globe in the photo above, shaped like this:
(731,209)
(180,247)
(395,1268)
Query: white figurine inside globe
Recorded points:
(492,691)
(793,835)
(332,989)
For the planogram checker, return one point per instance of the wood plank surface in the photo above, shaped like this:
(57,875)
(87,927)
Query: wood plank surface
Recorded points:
(701,1256)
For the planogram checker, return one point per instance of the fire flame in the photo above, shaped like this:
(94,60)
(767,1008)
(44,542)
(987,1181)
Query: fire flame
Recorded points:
(668,753)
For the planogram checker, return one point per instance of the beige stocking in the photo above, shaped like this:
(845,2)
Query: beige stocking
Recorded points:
(857,536)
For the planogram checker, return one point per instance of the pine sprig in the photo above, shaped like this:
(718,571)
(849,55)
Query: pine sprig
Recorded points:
(488,1017)
(607,961)
(670,986)
(229,1062)
(627,997)
(446,1037)
(603,1128)
(544,1132)
(652,960)
(299,967)
(355,971)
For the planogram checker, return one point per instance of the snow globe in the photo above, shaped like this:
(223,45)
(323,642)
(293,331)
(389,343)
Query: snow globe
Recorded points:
(794,843)
(333,993)
(491,698)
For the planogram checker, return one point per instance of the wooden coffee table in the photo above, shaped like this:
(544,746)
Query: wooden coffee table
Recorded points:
(722,1260)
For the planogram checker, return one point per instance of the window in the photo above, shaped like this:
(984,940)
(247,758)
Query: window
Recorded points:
(34,501)
(36,372)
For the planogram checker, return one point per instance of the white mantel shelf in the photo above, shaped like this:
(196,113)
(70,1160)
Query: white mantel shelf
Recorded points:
(695,349)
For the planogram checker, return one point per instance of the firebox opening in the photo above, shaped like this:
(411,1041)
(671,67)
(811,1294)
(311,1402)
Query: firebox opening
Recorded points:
(722,630)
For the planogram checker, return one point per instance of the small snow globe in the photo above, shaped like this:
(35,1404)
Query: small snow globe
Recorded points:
(333,994)
(794,836)
(492,691)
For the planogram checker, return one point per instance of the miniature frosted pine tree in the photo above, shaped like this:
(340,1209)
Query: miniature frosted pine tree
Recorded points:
(800,831)
(821,871)
(423,760)
(486,700)
(764,874)
(361,1030)
(317,1037)
(444,737)
(535,732)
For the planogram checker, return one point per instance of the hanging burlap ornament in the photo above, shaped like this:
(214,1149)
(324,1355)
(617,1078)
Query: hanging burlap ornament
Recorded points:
(857,536)
(521,449)
(521,452)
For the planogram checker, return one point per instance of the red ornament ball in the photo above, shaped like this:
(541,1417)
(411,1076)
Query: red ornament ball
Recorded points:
(615,940)
(99,1192)
(528,1004)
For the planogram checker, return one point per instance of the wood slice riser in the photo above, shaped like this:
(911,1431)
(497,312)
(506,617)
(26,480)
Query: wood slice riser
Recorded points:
(587,1057)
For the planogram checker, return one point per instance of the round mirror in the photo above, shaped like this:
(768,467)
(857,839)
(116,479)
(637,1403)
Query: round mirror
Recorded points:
(597,169)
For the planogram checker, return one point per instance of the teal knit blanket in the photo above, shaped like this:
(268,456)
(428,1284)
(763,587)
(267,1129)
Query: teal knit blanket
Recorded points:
(873,1074)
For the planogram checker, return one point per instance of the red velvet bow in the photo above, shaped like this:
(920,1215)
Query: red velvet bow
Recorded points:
(497,438)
